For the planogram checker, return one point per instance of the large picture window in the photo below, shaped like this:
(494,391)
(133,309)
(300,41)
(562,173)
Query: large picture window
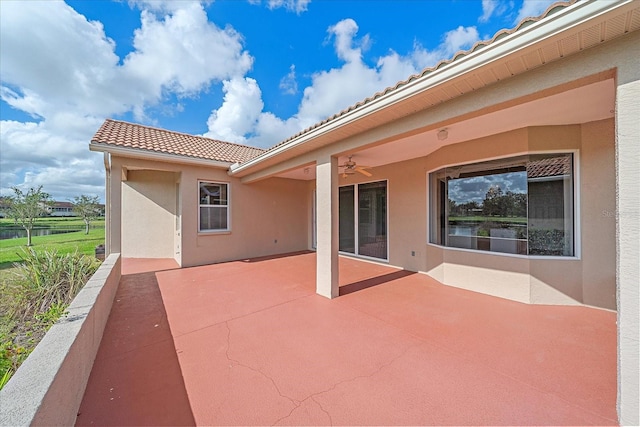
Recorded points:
(521,205)
(214,206)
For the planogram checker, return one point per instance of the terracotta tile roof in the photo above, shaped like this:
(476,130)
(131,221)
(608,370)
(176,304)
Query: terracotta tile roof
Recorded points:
(129,135)
(553,166)
(476,47)
(62,204)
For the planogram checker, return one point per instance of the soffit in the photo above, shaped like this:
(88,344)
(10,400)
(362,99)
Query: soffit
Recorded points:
(564,108)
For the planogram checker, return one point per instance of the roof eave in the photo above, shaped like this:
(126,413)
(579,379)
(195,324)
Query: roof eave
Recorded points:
(531,34)
(156,156)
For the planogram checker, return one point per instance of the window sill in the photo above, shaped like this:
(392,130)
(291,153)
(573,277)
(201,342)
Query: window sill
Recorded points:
(527,257)
(214,232)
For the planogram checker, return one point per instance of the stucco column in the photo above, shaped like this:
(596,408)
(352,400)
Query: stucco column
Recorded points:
(327,226)
(107,203)
(628,237)
(115,208)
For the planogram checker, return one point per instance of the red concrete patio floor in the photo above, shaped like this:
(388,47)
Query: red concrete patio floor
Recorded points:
(250,343)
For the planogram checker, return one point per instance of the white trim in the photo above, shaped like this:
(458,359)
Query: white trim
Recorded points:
(577,236)
(577,208)
(529,257)
(162,157)
(228,206)
(314,220)
(529,35)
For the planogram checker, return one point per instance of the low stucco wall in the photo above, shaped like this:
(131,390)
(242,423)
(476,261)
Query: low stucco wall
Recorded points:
(48,387)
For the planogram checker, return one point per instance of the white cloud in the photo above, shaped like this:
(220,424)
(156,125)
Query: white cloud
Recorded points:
(533,8)
(297,6)
(44,154)
(488,6)
(62,70)
(53,58)
(331,90)
(289,84)
(199,53)
(343,33)
(461,38)
(239,112)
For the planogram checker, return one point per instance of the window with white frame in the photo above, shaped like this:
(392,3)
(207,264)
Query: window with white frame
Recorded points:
(214,206)
(519,205)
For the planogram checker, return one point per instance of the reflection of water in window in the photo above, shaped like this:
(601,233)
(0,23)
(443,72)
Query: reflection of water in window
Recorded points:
(488,212)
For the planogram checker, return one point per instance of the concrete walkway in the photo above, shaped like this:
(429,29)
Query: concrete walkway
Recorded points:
(250,343)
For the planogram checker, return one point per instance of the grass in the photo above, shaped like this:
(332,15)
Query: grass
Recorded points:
(10,249)
(31,294)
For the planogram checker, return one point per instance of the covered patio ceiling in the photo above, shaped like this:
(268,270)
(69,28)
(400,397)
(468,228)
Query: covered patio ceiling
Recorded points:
(591,102)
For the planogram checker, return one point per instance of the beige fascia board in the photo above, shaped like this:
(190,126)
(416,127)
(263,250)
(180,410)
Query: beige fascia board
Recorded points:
(161,157)
(532,34)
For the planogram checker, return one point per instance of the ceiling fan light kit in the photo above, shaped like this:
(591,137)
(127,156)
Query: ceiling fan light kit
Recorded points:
(350,168)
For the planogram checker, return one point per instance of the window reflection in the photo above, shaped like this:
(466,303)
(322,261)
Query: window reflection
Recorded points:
(522,205)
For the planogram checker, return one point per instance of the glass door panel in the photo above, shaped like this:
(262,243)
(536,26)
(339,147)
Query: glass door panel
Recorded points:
(372,219)
(347,229)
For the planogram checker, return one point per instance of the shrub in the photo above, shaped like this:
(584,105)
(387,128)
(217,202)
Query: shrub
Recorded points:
(546,242)
(36,295)
(48,278)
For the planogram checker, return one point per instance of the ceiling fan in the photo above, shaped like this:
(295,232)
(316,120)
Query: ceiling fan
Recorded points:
(350,168)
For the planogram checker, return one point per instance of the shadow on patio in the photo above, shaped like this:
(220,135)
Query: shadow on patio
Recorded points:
(136,375)
(250,343)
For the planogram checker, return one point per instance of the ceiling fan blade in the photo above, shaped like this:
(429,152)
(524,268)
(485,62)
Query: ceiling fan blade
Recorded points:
(363,172)
(344,175)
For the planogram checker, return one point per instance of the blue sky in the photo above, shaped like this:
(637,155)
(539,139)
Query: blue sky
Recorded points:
(252,72)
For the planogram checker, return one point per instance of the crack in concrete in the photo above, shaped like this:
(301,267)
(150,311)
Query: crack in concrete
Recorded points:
(323,410)
(181,334)
(288,415)
(294,402)
(376,371)
(299,406)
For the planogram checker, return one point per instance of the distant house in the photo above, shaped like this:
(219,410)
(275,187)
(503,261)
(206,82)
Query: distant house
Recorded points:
(548,111)
(61,209)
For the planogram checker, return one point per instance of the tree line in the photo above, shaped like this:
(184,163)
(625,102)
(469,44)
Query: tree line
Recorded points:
(25,206)
(495,203)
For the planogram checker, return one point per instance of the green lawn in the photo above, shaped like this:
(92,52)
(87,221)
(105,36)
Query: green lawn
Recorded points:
(10,249)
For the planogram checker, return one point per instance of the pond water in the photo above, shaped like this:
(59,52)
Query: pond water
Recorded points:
(14,233)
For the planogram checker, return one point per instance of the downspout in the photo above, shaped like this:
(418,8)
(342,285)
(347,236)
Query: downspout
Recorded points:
(107,203)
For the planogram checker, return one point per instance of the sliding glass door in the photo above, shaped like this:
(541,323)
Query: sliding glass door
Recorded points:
(347,220)
(364,205)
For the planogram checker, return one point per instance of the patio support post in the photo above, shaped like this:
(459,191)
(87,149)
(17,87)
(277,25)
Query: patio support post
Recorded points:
(628,236)
(327,226)
(107,203)
(115,209)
